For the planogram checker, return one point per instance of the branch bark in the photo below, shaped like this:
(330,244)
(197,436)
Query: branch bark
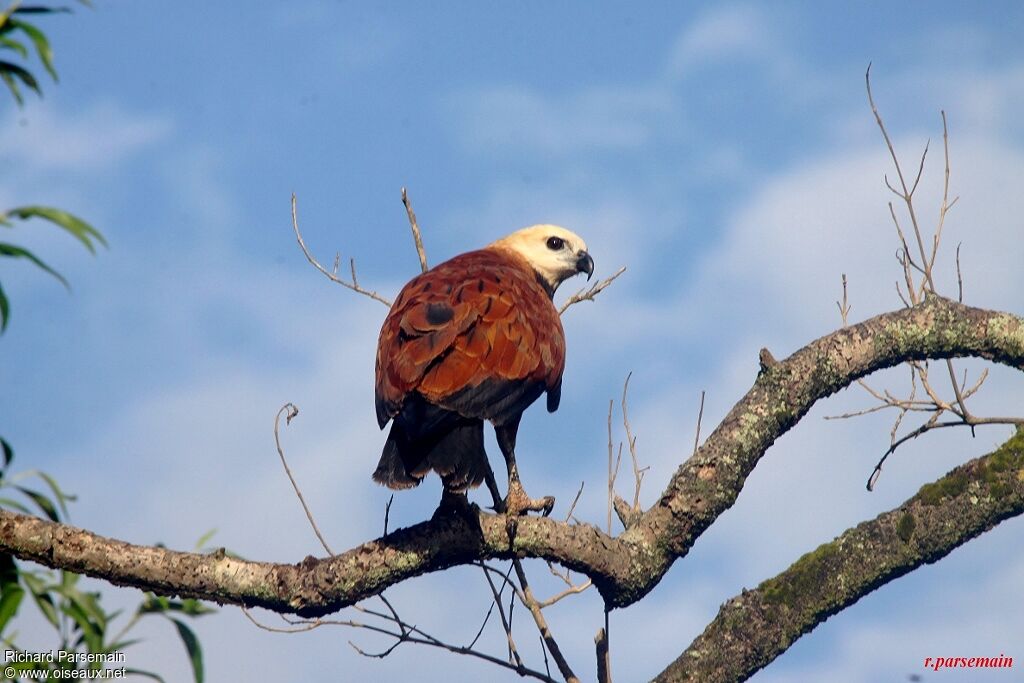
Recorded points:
(755,627)
(624,568)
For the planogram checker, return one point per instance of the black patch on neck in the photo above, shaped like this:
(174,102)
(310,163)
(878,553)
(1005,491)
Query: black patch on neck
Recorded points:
(544,283)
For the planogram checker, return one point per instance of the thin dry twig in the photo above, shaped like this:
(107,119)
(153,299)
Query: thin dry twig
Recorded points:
(604,669)
(513,652)
(406,633)
(959,276)
(844,307)
(533,606)
(416,237)
(638,472)
(332,276)
(292,412)
(572,508)
(574,589)
(588,294)
(934,406)
(613,473)
(387,513)
(700,418)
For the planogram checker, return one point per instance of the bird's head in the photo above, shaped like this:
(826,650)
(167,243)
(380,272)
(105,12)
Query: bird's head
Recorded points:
(555,253)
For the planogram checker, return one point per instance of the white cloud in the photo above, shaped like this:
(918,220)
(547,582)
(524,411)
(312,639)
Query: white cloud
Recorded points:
(98,137)
(606,118)
(725,32)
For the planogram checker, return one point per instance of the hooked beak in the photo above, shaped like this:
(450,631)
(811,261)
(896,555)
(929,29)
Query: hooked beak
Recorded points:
(584,264)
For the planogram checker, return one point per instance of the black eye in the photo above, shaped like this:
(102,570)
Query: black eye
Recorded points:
(555,243)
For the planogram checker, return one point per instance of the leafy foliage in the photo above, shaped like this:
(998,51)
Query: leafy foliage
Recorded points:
(16,35)
(81,623)
(75,226)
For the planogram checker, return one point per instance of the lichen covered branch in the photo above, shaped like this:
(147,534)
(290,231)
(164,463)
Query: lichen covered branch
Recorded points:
(624,568)
(755,627)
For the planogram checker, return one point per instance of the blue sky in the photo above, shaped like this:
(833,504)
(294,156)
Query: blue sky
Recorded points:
(724,152)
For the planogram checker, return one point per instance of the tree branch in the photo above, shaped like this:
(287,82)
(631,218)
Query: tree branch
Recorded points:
(755,627)
(625,568)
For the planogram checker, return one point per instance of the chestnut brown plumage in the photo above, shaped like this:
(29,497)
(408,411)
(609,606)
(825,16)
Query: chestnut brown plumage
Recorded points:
(475,338)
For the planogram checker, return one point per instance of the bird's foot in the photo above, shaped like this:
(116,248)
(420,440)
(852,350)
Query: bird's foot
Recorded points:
(517,503)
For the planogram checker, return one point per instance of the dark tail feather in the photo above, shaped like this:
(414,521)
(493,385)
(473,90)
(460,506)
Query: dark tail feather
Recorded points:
(458,456)
(392,470)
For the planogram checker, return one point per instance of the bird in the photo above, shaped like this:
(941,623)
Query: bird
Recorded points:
(476,338)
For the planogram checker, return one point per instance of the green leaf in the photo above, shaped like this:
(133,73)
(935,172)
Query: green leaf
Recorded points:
(123,644)
(14,505)
(42,45)
(90,603)
(12,44)
(40,594)
(12,85)
(147,674)
(8,570)
(6,14)
(18,252)
(195,608)
(5,314)
(84,232)
(11,593)
(204,539)
(155,604)
(68,579)
(21,73)
(41,9)
(4,446)
(44,503)
(91,634)
(9,603)
(195,651)
(58,493)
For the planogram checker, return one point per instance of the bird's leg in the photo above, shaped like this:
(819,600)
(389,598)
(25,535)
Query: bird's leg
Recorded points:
(492,486)
(517,503)
(456,503)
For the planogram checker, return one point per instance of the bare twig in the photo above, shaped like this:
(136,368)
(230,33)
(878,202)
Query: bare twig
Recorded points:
(844,307)
(405,633)
(700,417)
(959,277)
(932,424)
(292,411)
(916,293)
(306,625)
(574,589)
(537,613)
(588,294)
(604,673)
(332,276)
(906,194)
(638,472)
(387,513)
(572,508)
(946,204)
(613,473)
(417,238)
(513,653)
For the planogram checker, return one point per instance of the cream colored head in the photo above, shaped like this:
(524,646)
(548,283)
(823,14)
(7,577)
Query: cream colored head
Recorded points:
(555,253)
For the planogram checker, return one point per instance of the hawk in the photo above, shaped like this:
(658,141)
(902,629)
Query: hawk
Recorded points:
(475,338)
